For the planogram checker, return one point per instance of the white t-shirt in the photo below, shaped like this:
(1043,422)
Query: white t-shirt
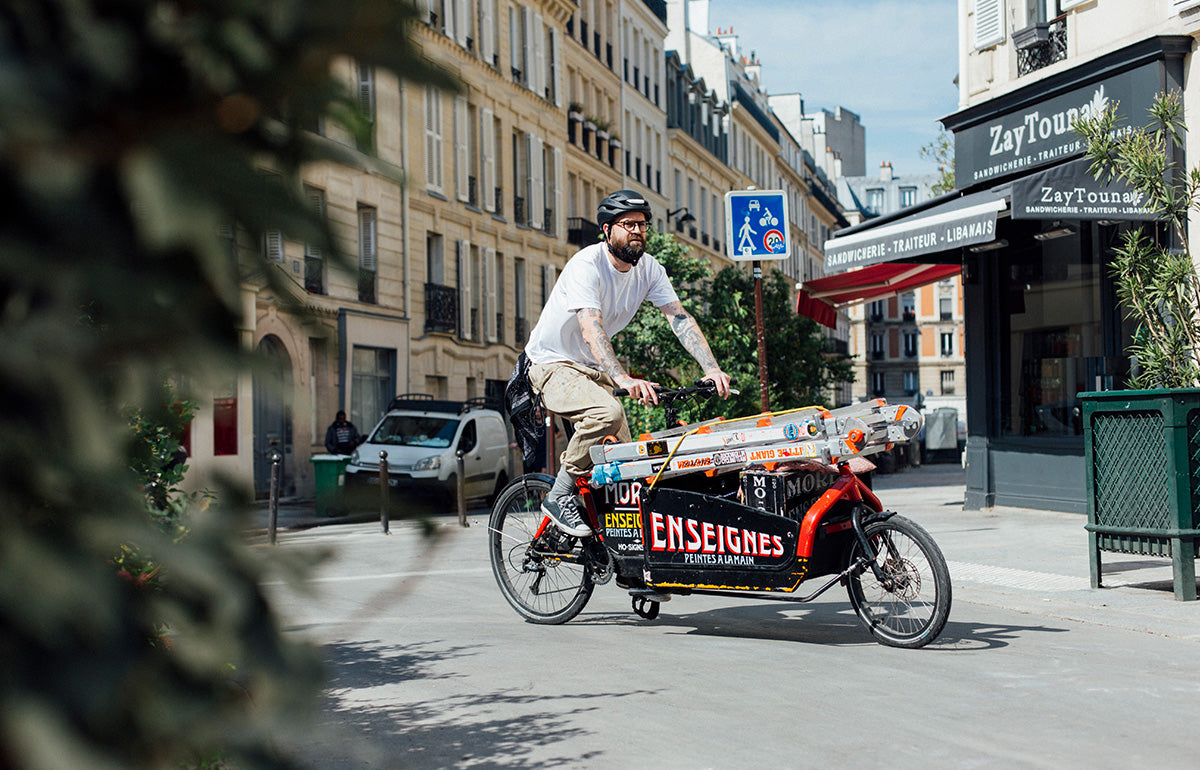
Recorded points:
(590,280)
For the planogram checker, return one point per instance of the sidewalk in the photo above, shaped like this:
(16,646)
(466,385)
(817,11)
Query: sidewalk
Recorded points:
(1036,561)
(1016,558)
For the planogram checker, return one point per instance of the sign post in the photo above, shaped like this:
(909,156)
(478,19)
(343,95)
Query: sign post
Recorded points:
(756,228)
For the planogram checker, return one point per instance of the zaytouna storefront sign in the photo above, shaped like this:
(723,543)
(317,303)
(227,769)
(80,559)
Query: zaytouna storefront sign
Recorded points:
(1070,192)
(1042,132)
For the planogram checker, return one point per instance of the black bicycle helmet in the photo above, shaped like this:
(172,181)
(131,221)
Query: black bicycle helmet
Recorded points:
(621,202)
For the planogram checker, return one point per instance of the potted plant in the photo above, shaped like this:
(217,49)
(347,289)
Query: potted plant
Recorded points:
(614,149)
(1142,446)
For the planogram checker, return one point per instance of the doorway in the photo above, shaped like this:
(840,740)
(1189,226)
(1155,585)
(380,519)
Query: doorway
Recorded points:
(272,415)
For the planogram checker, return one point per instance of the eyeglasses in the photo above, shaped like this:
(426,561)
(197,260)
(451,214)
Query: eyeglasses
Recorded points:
(631,225)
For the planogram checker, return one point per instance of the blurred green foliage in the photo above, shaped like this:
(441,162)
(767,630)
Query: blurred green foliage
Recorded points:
(799,370)
(131,132)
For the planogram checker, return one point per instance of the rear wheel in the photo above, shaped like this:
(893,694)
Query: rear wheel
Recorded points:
(546,580)
(909,607)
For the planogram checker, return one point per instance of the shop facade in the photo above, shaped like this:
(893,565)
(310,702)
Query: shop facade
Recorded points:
(1033,235)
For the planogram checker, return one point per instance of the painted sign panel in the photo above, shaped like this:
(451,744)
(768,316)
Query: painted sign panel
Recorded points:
(1041,133)
(1070,192)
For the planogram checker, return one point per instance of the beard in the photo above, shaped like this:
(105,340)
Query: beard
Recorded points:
(629,252)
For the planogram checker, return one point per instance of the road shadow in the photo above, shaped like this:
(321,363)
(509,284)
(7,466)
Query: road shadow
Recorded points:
(359,728)
(826,624)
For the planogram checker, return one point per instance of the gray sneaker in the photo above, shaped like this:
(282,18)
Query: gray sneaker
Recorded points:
(564,512)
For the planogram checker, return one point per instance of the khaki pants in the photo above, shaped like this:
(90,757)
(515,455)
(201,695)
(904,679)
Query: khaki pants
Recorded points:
(584,397)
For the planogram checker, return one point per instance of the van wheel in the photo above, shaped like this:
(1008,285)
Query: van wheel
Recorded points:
(501,483)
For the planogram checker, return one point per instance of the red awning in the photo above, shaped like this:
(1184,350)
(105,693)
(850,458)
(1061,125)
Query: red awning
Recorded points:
(818,299)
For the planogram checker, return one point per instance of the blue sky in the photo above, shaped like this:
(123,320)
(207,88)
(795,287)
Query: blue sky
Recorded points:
(892,62)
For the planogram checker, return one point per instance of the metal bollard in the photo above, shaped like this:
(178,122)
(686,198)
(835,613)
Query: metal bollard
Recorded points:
(276,458)
(383,491)
(462,490)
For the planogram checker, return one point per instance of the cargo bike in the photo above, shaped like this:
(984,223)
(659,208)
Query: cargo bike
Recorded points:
(750,508)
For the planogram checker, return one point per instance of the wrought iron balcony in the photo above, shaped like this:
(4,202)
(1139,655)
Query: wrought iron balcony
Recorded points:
(441,308)
(582,232)
(519,215)
(837,347)
(1040,45)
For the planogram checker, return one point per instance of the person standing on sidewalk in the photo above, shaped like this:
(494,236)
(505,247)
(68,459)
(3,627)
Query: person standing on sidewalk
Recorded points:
(573,366)
(341,437)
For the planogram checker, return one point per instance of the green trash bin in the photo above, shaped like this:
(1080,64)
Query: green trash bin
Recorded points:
(329,472)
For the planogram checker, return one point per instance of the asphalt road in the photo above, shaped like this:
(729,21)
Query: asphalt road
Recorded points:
(429,667)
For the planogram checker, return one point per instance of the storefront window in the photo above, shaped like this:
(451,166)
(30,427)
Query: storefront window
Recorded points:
(1054,313)
(373,385)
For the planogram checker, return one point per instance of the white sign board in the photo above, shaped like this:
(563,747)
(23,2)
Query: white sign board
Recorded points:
(756,225)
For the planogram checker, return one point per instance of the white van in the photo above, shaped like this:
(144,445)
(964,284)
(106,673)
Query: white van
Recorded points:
(422,437)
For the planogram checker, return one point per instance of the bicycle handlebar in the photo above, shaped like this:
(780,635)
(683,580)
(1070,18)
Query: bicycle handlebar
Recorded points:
(705,387)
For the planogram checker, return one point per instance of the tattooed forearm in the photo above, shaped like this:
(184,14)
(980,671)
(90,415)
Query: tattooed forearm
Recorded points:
(690,336)
(598,341)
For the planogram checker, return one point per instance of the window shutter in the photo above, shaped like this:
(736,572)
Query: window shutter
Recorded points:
(316,202)
(487,30)
(367,241)
(548,278)
(274,245)
(989,22)
(538,42)
(1177,6)
(463,253)
(535,188)
(448,13)
(490,308)
(556,66)
(531,65)
(560,214)
(488,171)
(461,27)
(366,90)
(433,138)
(461,159)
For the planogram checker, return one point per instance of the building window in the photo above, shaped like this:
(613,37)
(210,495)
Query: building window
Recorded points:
(368,264)
(875,199)
(877,382)
(520,319)
(910,383)
(225,422)
(910,344)
(373,372)
(947,377)
(314,260)
(875,310)
(908,197)
(876,345)
(947,340)
(946,308)
(908,306)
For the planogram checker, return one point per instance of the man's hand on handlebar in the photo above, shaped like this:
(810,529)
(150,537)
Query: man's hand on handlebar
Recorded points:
(642,390)
(720,380)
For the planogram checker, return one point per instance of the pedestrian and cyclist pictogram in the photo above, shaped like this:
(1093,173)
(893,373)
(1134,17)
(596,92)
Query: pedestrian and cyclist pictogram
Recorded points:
(756,224)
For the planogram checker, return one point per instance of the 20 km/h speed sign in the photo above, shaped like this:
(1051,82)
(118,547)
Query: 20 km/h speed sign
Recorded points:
(756,225)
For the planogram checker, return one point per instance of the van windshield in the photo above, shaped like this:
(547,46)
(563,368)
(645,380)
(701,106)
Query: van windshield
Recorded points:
(413,430)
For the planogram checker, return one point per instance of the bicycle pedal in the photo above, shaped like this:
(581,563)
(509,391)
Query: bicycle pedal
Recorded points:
(649,594)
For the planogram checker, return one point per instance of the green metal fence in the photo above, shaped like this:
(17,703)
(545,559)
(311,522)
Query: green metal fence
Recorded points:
(1142,451)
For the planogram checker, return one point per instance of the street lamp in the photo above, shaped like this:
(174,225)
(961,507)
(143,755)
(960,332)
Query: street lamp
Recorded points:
(687,217)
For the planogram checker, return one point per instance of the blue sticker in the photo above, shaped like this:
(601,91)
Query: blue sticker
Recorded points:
(791,431)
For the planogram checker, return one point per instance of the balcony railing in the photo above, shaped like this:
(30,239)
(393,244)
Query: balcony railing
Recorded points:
(519,215)
(500,328)
(520,331)
(1040,46)
(472,191)
(499,193)
(909,316)
(441,308)
(876,355)
(837,347)
(314,274)
(582,232)
(548,222)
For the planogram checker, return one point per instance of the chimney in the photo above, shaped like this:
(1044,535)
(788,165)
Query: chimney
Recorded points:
(885,171)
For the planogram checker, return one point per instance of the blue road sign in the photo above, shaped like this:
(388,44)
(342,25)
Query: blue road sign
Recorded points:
(756,225)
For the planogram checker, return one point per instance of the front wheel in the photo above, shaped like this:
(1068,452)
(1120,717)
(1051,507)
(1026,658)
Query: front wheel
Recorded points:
(545,579)
(909,606)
